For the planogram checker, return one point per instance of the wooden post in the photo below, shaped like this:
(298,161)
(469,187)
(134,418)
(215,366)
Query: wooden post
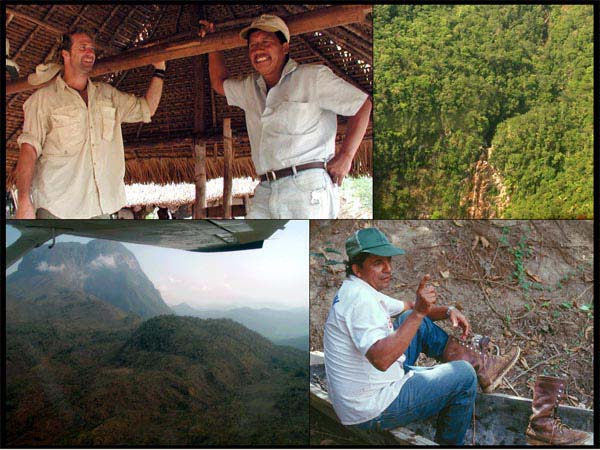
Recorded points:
(200,180)
(199,64)
(246,204)
(227,168)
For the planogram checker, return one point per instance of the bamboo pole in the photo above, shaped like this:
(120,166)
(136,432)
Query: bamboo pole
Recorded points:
(200,181)
(227,163)
(305,22)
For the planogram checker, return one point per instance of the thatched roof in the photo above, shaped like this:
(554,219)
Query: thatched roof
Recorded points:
(190,112)
(173,195)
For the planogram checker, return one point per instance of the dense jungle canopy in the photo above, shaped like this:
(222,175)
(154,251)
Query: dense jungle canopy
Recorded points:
(483,111)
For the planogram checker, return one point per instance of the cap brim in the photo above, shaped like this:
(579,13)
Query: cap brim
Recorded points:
(385,250)
(244,32)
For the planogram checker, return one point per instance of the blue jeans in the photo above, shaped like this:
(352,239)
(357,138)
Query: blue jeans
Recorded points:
(447,390)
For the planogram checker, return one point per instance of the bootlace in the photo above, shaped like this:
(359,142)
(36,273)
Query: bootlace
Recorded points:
(557,422)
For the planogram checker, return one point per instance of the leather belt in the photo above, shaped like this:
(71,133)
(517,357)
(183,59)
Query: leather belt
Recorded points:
(273,175)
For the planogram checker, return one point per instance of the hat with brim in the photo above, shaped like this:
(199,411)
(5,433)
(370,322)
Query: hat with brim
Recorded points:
(373,241)
(44,73)
(267,22)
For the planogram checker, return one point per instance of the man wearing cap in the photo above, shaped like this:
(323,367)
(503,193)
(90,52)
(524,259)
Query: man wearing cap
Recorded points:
(369,360)
(291,116)
(71,162)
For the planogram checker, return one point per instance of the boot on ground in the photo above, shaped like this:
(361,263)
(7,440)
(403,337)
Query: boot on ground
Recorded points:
(545,427)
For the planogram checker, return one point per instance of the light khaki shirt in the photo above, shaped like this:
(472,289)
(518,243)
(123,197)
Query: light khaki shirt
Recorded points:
(81,160)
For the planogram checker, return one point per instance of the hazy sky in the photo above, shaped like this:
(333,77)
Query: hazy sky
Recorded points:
(275,276)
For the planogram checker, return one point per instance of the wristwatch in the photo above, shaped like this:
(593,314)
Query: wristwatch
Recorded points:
(449,310)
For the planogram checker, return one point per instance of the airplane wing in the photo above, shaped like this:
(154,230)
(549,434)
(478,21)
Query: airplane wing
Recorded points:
(191,235)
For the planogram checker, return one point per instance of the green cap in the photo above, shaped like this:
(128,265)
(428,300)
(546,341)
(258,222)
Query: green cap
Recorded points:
(370,240)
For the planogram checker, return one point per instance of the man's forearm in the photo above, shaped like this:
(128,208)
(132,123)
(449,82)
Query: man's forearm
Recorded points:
(25,173)
(385,351)
(217,71)
(154,93)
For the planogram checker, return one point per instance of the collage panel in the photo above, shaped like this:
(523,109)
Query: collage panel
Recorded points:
(451,332)
(267,332)
(483,111)
(147,333)
(189,110)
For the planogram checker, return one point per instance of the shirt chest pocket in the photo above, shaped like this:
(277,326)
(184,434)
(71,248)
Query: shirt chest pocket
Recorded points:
(108,121)
(68,131)
(294,118)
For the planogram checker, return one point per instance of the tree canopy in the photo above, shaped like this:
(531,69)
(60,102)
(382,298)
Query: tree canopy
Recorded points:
(509,84)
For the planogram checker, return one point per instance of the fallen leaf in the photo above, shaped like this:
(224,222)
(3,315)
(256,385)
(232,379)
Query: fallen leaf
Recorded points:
(457,223)
(475,242)
(484,242)
(533,276)
(445,273)
(524,362)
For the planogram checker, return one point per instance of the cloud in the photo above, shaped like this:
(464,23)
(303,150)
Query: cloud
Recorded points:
(45,267)
(103,261)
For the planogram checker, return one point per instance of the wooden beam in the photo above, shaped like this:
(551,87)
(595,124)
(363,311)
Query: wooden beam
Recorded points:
(306,22)
(200,180)
(227,169)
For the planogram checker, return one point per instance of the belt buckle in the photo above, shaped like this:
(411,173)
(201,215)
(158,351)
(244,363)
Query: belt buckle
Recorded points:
(271,174)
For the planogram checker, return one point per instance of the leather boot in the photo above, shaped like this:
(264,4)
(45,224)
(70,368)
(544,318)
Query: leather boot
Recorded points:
(490,369)
(545,427)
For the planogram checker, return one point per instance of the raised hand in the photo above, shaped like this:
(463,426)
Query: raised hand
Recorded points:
(206,27)
(426,297)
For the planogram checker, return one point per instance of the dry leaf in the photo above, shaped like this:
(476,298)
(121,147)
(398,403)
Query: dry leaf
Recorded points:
(457,223)
(524,362)
(475,242)
(484,242)
(445,273)
(533,276)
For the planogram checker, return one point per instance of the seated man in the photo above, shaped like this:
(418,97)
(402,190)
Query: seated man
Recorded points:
(369,360)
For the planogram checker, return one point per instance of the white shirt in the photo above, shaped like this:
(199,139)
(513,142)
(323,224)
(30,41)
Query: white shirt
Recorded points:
(296,121)
(358,318)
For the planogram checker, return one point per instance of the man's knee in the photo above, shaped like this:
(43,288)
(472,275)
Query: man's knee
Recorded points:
(465,374)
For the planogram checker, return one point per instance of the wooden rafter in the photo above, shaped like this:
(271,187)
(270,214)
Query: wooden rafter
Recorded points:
(298,24)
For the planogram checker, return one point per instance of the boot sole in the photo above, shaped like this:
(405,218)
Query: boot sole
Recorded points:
(491,387)
(536,442)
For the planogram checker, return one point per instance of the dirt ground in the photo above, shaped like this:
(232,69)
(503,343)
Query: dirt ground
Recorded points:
(525,283)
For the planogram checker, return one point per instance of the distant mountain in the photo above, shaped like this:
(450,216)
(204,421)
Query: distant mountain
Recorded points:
(272,323)
(105,270)
(301,342)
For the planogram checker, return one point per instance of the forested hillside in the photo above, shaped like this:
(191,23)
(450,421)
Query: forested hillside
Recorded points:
(483,111)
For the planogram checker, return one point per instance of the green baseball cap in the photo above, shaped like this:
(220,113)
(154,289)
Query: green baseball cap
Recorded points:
(370,240)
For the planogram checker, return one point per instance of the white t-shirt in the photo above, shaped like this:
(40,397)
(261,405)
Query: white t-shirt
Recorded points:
(359,317)
(296,121)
